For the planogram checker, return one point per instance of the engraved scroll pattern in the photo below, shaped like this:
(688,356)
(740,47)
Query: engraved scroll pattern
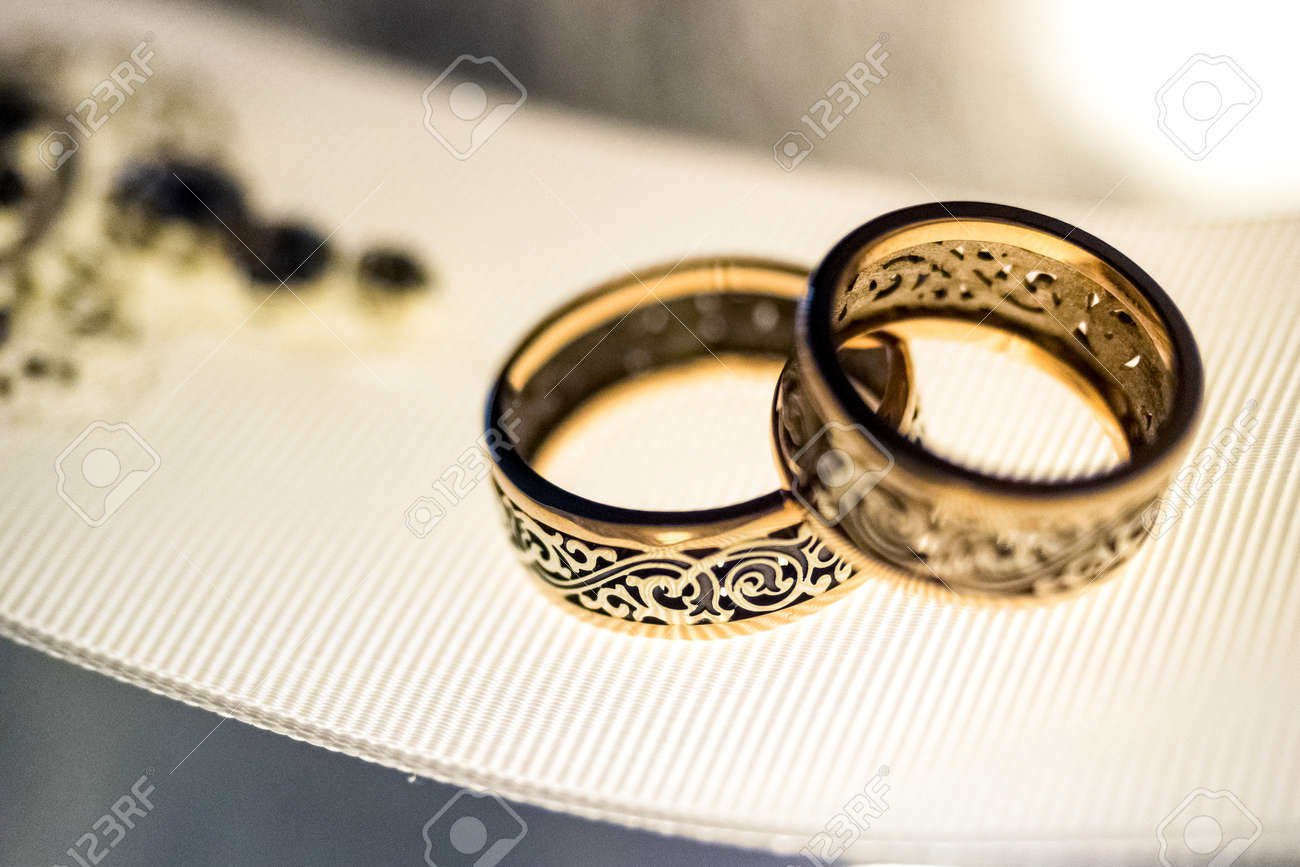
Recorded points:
(678,586)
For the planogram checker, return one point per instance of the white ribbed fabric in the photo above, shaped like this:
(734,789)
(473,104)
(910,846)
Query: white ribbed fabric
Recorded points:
(265,571)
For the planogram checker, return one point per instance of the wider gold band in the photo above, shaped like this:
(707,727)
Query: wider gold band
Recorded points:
(697,573)
(1058,296)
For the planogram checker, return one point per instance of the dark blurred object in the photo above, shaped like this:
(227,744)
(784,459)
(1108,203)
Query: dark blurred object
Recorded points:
(36,167)
(18,108)
(283,253)
(388,269)
(204,196)
(40,366)
(12,186)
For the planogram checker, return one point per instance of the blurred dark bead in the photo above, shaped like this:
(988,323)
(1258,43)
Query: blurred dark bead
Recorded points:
(18,108)
(36,366)
(4,324)
(391,270)
(201,195)
(284,252)
(12,187)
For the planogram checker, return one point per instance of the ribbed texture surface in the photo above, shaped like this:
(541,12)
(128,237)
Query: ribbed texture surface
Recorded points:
(265,571)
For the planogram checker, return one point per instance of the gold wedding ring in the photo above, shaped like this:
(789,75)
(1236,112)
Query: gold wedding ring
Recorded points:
(693,573)
(1058,297)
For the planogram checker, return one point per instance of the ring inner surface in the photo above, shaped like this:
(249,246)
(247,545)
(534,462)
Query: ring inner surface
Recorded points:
(1057,305)
(649,337)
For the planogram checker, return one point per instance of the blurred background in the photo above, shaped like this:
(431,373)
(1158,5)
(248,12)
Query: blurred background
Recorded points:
(1013,96)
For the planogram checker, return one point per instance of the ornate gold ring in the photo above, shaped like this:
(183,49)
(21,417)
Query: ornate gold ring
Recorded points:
(1051,293)
(696,573)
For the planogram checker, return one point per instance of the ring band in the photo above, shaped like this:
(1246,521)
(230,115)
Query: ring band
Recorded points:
(1060,297)
(701,572)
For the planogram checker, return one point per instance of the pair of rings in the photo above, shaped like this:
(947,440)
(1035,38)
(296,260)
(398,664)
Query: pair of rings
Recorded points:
(862,496)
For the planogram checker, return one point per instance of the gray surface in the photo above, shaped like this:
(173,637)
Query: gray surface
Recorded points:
(73,742)
(961,103)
